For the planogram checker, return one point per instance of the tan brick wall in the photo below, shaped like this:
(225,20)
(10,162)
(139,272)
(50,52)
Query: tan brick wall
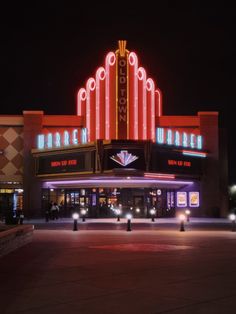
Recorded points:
(11,160)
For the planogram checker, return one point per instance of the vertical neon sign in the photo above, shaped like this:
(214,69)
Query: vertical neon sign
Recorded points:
(122,131)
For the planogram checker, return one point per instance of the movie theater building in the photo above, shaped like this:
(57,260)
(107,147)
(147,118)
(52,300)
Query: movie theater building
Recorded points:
(118,151)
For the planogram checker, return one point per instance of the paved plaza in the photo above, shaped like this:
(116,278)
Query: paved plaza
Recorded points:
(155,268)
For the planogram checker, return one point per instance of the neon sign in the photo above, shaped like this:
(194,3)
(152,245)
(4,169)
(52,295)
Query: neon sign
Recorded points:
(62,163)
(124,158)
(179,163)
(59,140)
(176,138)
(120,101)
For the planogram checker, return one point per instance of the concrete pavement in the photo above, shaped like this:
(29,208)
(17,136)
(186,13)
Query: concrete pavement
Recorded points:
(115,271)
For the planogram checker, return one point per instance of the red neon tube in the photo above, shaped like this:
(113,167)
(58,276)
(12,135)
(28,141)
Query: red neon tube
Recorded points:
(142,104)
(110,96)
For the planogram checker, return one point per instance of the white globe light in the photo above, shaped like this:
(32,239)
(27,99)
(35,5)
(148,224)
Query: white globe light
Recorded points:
(152,211)
(232,217)
(75,216)
(182,217)
(118,212)
(83,211)
(129,216)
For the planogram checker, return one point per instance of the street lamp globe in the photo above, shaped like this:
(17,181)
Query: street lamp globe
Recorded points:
(118,211)
(75,216)
(129,216)
(83,212)
(232,217)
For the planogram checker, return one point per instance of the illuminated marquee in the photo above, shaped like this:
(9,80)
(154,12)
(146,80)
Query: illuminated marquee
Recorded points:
(58,140)
(179,163)
(120,101)
(62,163)
(176,138)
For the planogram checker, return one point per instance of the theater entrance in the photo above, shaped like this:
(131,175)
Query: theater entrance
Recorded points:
(103,202)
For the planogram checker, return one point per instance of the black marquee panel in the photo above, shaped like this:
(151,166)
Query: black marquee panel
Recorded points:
(65,163)
(175,162)
(122,155)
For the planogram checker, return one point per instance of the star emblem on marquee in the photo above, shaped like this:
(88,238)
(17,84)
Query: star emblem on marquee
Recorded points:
(124,158)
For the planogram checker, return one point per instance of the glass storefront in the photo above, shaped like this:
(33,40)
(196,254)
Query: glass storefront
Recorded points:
(103,202)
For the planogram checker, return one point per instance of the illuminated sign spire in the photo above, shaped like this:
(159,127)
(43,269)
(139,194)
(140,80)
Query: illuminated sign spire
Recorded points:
(122,47)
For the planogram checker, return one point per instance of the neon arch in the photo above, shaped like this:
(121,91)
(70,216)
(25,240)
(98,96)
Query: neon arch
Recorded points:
(100,103)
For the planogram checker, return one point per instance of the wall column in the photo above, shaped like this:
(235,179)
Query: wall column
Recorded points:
(32,186)
(210,183)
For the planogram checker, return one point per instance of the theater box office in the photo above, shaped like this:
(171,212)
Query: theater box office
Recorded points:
(118,151)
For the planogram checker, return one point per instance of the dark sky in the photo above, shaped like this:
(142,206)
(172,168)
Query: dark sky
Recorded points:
(49,50)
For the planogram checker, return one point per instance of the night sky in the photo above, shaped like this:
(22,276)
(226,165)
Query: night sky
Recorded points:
(48,52)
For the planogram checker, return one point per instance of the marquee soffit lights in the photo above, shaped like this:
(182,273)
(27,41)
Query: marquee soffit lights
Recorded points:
(67,182)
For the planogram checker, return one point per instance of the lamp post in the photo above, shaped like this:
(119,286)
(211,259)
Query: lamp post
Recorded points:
(47,215)
(129,217)
(182,218)
(187,212)
(83,213)
(232,217)
(118,212)
(153,212)
(75,216)
(21,218)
